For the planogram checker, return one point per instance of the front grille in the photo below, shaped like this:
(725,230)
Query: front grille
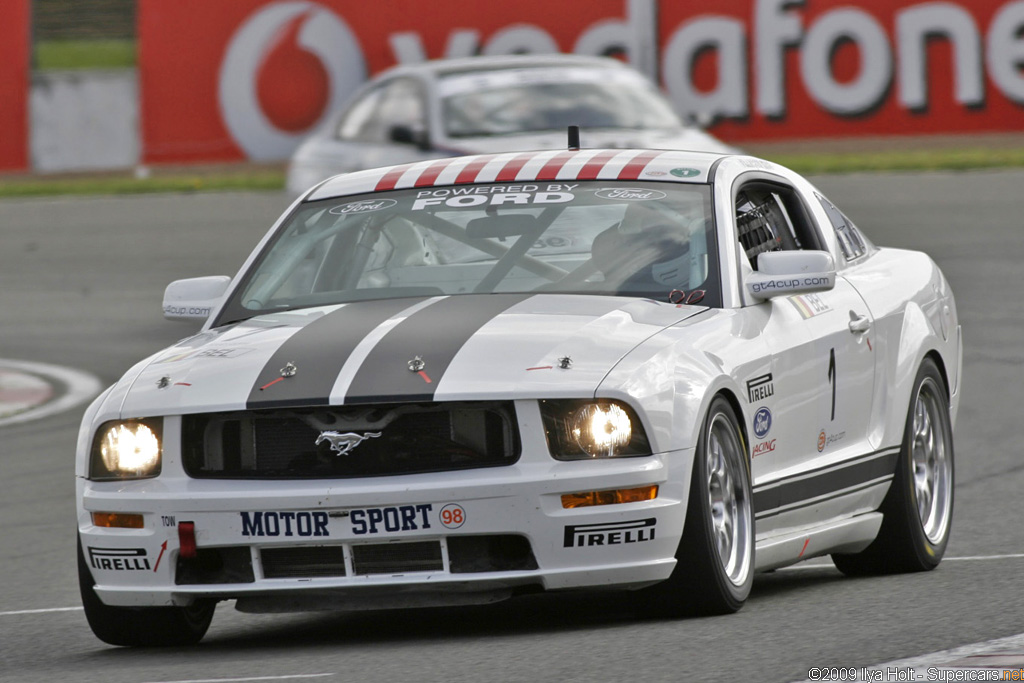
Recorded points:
(303,563)
(341,442)
(397,558)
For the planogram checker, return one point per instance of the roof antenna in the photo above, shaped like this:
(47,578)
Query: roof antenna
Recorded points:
(574,138)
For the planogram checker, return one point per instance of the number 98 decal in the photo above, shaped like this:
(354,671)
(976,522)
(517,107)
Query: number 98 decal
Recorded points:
(452,516)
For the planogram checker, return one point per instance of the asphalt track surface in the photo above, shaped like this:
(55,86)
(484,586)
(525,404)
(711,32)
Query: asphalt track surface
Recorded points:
(81,283)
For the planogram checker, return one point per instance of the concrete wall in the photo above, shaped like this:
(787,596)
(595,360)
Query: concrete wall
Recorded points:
(84,120)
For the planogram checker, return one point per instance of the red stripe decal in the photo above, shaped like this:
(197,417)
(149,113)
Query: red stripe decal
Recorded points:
(272,383)
(632,170)
(594,166)
(802,550)
(424,375)
(512,168)
(541,367)
(431,172)
(551,169)
(390,179)
(469,173)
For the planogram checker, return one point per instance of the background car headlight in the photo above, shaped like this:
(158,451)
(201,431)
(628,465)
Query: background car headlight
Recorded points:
(127,449)
(578,430)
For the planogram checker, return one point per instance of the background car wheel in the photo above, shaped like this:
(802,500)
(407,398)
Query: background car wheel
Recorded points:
(918,509)
(152,626)
(715,560)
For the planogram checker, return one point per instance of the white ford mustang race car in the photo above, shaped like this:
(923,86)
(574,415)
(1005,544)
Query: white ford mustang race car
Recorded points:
(457,380)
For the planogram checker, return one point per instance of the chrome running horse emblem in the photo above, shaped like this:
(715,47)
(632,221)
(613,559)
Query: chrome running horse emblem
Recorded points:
(343,443)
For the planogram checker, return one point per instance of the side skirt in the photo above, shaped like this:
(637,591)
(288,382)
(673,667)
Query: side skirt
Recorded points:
(847,536)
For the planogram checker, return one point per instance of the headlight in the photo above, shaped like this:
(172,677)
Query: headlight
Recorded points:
(128,449)
(578,430)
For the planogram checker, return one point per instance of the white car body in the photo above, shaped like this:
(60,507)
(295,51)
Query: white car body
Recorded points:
(820,383)
(330,150)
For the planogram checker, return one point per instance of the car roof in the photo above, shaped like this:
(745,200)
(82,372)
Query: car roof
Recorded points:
(441,67)
(524,167)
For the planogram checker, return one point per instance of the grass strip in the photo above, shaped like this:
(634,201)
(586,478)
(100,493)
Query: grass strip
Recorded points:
(248,179)
(84,54)
(905,160)
(127,184)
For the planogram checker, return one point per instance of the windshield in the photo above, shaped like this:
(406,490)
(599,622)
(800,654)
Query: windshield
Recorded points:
(510,101)
(599,237)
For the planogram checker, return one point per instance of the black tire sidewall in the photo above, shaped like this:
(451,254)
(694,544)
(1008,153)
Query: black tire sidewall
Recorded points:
(699,537)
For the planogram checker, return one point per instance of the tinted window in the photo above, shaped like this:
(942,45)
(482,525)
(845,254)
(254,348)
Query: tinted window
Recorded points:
(851,242)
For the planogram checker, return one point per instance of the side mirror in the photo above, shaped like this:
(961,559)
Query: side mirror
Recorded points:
(782,273)
(407,135)
(195,298)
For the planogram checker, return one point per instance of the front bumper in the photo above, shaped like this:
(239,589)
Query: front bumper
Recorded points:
(415,540)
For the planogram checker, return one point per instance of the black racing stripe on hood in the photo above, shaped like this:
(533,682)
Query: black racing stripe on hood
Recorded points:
(435,334)
(319,350)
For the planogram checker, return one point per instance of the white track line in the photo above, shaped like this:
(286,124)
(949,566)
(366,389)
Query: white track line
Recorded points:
(42,611)
(285,677)
(81,386)
(968,558)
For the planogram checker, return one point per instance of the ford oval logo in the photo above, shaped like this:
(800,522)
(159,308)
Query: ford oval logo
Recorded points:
(630,194)
(363,206)
(762,422)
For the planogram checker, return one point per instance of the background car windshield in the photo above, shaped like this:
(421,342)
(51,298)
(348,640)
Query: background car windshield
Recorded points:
(530,100)
(599,237)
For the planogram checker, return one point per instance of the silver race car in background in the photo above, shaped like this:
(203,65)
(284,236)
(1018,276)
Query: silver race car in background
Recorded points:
(456,380)
(492,104)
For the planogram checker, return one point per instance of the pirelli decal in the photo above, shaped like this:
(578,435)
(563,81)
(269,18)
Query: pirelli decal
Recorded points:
(610,533)
(411,359)
(827,483)
(318,351)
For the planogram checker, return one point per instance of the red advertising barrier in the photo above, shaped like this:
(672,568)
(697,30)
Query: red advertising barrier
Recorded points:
(248,78)
(14,84)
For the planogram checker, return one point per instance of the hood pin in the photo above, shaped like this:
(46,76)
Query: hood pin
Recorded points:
(565,362)
(418,365)
(288,370)
(163,382)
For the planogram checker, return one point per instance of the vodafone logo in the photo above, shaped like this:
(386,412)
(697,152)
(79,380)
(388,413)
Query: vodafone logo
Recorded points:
(287,67)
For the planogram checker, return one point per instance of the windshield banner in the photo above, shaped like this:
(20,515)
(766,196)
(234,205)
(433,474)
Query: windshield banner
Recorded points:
(257,77)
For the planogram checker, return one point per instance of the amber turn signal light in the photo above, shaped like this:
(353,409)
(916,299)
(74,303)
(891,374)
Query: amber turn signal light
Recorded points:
(613,497)
(117,520)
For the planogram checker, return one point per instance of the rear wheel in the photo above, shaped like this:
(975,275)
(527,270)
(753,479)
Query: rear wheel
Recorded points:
(918,510)
(714,570)
(148,626)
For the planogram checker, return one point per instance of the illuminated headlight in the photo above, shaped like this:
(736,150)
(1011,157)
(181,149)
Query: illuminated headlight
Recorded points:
(127,449)
(579,430)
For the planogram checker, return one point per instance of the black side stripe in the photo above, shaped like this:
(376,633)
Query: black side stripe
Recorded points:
(434,334)
(319,350)
(819,485)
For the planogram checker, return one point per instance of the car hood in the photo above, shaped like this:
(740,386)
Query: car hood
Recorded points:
(469,347)
(690,139)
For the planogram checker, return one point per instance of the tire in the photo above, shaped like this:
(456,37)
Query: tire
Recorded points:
(918,510)
(715,561)
(141,626)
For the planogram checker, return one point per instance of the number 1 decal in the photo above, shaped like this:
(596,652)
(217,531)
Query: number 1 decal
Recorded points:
(832,378)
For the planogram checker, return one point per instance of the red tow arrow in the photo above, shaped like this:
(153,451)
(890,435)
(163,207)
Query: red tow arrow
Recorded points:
(163,548)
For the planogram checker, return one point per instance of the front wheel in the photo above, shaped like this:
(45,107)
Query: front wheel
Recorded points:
(714,569)
(918,510)
(146,626)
